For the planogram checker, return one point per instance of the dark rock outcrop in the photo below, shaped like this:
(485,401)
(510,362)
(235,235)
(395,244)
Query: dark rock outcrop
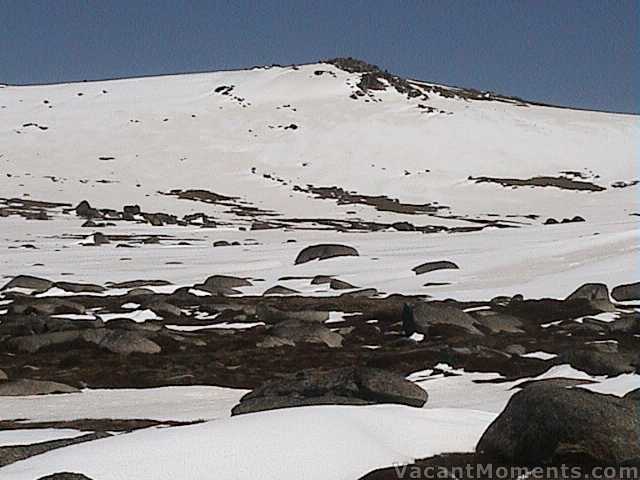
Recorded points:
(547,424)
(352,386)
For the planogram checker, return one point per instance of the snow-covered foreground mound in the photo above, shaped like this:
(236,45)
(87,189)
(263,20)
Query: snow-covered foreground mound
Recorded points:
(323,443)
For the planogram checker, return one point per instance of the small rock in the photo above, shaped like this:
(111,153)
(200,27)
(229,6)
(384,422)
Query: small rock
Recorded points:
(324,251)
(627,292)
(433,266)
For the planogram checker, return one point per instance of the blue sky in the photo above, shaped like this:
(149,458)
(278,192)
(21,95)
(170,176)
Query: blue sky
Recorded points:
(580,53)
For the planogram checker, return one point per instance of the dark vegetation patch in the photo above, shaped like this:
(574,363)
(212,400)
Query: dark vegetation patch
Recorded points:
(557,182)
(235,205)
(379,202)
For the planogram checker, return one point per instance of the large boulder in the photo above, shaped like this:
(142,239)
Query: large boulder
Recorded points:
(433,266)
(324,251)
(623,293)
(549,424)
(597,294)
(431,318)
(27,282)
(299,331)
(24,386)
(349,385)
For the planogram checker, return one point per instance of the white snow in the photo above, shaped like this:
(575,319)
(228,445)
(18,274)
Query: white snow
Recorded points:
(323,443)
(35,435)
(540,355)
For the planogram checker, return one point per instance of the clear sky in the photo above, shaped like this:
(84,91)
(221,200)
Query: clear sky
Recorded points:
(583,53)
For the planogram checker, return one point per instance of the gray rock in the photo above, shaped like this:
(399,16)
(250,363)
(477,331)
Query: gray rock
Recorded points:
(38,285)
(515,349)
(336,284)
(433,266)
(599,363)
(24,386)
(342,386)
(629,291)
(34,343)
(597,294)
(65,476)
(124,342)
(45,306)
(79,287)
(280,290)
(365,292)
(320,279)
(429,318)
(627,324)
(324,251)
(3,376)
(499,322)
(164,309)
(138,283)
(298,331)
(274,342)
(546,424)
(270,314)
(222,284)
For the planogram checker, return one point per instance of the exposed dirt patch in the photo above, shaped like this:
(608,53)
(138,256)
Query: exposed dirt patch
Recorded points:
(235,204)
(557,182)
(379,202)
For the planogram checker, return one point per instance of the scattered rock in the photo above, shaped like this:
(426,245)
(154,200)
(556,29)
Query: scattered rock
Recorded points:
(624,293)
(271,315)
(597,294)
(79,287)
(299,331)
(222,284)
(598,363)
(280,290)
(432,266)
(498,323)
(38,285)
(324,251)
(336,284)
(434,319)
(546,424)
(65,476)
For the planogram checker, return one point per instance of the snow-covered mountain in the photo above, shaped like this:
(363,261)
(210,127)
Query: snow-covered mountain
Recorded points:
(334,146)
(118,198)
